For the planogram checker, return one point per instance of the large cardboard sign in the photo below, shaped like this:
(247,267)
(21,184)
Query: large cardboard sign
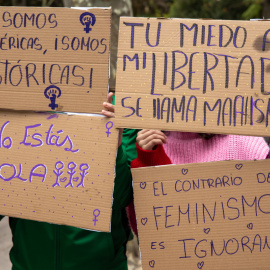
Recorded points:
(54,58)
(58,168)
(194,75)
(204,215)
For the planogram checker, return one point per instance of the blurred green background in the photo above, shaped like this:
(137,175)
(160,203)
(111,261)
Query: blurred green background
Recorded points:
(215,9)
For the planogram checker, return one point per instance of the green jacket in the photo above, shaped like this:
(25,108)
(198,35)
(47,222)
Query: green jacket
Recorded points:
(44,246)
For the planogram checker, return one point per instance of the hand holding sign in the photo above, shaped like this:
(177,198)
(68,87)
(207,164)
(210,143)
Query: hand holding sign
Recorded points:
(108,107)
(148,139)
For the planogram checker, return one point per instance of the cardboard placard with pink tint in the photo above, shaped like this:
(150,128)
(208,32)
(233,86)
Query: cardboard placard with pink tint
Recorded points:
(204,215)
(58,168)
(208,76)
(54,58)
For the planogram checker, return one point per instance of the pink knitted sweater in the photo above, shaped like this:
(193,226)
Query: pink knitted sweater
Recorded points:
(184,147)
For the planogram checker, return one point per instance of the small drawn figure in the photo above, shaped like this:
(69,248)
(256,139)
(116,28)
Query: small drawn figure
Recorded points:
(88,19)
(96,213)
(71,166)
(52,92)
(57,172)
(84,167)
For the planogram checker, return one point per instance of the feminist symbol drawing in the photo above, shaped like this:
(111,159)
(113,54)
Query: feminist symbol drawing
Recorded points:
(88,19)
(96,213)
(109,127)
(52,92)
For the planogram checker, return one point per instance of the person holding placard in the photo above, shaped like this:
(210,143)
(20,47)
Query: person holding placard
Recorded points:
(44,246)
(155,148)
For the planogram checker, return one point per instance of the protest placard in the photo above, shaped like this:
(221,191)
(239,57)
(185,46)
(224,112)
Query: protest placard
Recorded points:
(194,75)
(204,215)
(54,58)
(58,168)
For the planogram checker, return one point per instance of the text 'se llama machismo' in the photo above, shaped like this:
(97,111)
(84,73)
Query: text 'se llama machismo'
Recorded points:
(209,73)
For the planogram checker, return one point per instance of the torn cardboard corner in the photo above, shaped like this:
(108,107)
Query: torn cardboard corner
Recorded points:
(194,75)
(204,216)
(54,59)
(58,168)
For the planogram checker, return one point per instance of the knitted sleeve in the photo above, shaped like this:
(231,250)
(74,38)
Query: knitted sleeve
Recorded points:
(145,158)
(249,147)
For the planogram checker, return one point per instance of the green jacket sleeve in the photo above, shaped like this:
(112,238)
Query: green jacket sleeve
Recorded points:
(123,191)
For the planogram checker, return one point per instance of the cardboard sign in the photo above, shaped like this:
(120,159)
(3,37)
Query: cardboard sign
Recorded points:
(204,216)
(194,75)
(58,168)
(54,58)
